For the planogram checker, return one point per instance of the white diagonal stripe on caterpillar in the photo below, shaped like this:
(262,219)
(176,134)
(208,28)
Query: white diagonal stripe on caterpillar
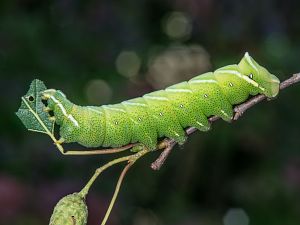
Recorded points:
(71,118)
(94,110)
(63,110)
(62,94)
(249,60)
(202,81)
(113,109)
(133,103)
(156,97)
(224,113)
(178,90)
(60,106)
(200,124)
(246,78)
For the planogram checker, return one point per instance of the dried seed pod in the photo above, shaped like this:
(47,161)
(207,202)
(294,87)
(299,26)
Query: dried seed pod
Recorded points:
(70,210)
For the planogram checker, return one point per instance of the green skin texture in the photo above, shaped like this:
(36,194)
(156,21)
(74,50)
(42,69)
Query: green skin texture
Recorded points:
(163,113)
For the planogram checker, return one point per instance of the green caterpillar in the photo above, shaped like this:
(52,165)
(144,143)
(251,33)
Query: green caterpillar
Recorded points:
(163,113)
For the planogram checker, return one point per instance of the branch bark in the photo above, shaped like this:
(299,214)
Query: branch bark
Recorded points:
(168,144)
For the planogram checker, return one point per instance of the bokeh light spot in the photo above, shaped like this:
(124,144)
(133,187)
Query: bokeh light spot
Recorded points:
(176,64)
(128,63)
(98,92)
(236,216)
(177,25)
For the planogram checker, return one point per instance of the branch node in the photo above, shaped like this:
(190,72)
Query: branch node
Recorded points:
(157,164)
(238,112)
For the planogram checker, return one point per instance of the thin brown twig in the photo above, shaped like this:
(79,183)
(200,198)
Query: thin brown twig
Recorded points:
(116,192)
(131,160)
(163,156)
(167,144)
(100,151)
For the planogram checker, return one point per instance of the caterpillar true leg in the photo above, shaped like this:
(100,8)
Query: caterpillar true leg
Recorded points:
(47,109)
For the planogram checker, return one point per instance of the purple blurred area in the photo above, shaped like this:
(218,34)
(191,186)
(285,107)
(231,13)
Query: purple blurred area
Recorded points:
(101,52)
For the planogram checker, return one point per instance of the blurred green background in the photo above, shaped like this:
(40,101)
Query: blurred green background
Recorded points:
(101,52)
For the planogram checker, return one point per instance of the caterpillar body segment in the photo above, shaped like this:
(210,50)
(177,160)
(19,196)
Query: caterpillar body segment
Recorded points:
(142,125)
(168,124)
(117,124)
(163,113)
(184,110)
(232,85)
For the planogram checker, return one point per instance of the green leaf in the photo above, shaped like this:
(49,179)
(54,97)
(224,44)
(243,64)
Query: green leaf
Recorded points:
(31,111)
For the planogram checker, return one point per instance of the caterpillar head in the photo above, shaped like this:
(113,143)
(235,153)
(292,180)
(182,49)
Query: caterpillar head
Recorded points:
(58,103)
(267,83)
(84,125)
